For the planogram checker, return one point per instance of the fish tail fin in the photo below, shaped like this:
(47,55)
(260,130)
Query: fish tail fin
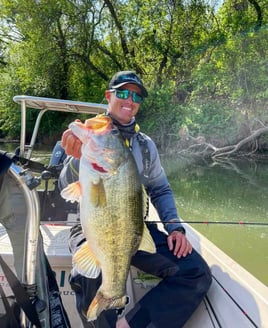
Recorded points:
(147,244)
(101,303)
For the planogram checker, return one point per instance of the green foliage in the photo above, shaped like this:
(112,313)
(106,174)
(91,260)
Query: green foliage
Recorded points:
(214,121)
(205,66)
(160,116)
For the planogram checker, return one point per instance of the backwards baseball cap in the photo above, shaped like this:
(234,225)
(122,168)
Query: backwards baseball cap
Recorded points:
(125,77)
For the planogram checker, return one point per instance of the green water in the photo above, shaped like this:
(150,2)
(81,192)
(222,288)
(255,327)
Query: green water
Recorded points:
(230,191)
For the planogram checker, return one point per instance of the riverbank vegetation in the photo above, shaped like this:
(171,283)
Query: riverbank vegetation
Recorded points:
(204,63)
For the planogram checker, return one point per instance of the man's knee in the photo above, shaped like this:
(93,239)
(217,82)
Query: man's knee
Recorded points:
(195,271)
(207,280)
(202,275)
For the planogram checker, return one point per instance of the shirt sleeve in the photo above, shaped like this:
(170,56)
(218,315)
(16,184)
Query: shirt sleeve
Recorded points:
(69,172)
(160,193)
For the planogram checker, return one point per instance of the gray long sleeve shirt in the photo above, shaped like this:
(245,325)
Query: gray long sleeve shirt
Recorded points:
(155,182)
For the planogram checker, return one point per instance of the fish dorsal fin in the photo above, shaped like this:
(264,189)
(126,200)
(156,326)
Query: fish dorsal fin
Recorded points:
(72,192)
(147,244)
(85,262)
(97,194)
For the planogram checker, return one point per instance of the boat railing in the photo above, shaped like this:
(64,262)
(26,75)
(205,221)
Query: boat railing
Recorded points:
(23,174)
(49,104)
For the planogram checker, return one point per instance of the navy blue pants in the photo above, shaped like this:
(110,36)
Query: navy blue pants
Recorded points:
(185,282)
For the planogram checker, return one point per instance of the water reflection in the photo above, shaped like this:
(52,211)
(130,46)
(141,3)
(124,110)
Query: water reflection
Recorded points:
(235,191)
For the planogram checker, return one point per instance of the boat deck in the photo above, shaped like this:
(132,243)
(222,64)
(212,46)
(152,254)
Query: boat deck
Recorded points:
(235,299)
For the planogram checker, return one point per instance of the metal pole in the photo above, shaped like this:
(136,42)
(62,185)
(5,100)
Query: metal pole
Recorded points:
(32,228)
(23,128)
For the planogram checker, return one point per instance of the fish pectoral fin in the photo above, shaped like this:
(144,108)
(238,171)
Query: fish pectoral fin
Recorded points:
(147,244)
(85,262)
(72,192)
(97,194)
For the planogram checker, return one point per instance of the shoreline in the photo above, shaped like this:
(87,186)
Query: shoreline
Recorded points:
(9,141)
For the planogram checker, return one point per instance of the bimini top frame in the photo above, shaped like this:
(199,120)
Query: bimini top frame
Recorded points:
(44,105)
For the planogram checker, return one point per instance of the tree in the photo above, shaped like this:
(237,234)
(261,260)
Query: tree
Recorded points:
(204,65)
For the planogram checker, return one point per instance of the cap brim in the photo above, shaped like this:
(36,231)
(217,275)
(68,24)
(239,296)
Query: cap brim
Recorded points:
(144,92)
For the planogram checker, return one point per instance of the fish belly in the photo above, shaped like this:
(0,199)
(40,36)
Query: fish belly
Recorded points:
(114,232)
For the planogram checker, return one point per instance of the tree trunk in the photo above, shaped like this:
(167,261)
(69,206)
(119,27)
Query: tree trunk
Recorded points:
(199,147)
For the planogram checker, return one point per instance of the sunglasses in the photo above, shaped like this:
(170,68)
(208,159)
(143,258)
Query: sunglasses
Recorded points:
(124,94)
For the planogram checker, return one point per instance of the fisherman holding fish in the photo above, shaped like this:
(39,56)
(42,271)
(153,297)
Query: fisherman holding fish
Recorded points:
(95,149)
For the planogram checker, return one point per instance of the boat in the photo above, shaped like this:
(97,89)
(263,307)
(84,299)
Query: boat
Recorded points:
(235,299)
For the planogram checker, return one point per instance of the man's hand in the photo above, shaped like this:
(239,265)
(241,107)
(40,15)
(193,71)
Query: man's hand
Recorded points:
(71,144)
(179,244)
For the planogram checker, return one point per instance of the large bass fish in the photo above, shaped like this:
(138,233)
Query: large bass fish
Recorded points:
(112,209)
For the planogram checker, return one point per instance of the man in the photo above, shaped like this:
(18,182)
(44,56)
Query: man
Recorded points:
(186,277)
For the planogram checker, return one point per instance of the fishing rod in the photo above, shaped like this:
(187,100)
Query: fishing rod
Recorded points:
(214,222)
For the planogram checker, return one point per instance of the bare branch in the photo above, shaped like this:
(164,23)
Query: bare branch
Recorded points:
(199,147)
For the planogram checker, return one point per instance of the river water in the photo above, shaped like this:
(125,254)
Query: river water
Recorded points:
(231,193)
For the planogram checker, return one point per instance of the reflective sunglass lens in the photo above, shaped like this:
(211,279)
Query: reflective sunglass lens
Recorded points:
(136,98)
(124,94)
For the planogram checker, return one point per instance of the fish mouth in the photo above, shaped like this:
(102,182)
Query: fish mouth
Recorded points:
(99,125)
